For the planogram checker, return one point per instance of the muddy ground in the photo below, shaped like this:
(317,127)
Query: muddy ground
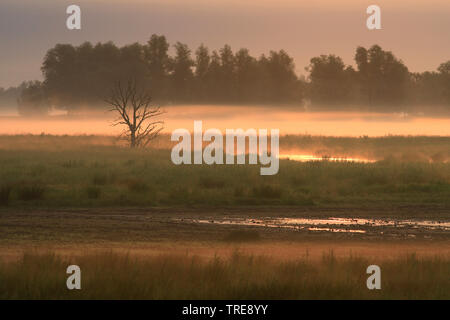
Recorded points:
(153,231)
(167,224)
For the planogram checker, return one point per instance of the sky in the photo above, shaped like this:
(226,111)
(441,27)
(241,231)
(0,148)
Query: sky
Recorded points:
(416,31)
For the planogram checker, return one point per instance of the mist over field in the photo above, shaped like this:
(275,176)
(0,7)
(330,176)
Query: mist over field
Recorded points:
(288,120)
(361,165)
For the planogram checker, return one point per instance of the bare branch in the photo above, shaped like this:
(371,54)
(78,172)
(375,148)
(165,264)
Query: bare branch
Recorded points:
(135,112)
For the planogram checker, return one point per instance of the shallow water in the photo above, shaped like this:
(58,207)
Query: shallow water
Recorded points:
(306,158)
(346,225)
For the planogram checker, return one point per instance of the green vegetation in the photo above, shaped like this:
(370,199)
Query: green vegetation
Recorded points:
(78,77)
(51,171)
(114,276)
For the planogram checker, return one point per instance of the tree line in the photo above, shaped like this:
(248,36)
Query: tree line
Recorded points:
(380,81)
(80,77)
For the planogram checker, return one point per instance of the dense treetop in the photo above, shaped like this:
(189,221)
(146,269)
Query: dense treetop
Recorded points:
(77,77)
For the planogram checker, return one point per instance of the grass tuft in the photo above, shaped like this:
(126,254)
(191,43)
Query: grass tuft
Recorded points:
(5,194)
(31,191)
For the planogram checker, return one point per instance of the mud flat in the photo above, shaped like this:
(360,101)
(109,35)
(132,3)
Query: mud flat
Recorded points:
(214,225)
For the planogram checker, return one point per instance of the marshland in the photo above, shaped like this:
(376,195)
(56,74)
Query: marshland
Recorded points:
(364,171)
(141,227)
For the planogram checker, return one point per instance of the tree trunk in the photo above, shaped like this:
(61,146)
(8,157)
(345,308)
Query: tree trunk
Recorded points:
(133,139)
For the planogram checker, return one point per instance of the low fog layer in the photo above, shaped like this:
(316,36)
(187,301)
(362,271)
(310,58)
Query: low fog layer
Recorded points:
(221,117)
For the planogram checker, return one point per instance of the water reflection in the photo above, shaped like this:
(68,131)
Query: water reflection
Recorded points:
(347,225)
(306,158)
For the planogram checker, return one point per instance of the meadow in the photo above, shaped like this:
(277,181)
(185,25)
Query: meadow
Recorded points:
(109,275)
(124,217)
(44,171)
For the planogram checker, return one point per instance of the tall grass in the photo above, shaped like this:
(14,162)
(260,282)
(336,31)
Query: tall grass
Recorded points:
(86,173)
(113,276)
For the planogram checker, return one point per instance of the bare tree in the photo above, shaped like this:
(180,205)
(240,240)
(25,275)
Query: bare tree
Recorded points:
(135,114)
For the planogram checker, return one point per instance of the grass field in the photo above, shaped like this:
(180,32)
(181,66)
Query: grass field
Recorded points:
(125,217)
(237,276)
(90,171)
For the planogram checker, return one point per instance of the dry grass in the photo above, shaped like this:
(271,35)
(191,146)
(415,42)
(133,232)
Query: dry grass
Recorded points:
(238,276)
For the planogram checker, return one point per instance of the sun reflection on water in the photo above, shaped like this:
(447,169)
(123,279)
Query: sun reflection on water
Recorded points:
(306,158)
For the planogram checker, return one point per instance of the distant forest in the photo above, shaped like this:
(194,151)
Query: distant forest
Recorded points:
(81,77)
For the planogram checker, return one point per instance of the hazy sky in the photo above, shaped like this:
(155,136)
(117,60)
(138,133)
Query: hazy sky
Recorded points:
(417,31)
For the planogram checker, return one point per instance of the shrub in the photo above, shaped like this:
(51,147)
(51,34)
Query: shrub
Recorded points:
(211,183)
(267,191)
(29,192)
(5,194)
(99,179)
(93,192)
(137,186)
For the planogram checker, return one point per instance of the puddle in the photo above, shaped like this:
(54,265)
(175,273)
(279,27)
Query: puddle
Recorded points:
(336,230)
(367,222)
(346,225)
